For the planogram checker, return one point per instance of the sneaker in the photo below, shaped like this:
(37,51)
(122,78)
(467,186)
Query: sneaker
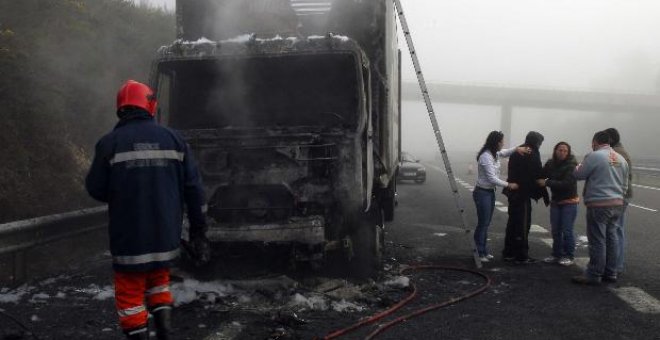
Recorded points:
(490,257)
(528,260)
(565,261)
(551,259)
(583,280)
(609,279)
(484,259)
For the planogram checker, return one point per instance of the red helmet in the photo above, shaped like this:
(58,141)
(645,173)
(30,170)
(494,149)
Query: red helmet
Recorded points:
(134,93)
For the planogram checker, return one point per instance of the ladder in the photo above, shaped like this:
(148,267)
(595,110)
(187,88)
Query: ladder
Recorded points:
(436,130)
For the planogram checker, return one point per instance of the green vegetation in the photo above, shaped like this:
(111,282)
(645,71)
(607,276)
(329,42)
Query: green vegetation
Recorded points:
(61,63)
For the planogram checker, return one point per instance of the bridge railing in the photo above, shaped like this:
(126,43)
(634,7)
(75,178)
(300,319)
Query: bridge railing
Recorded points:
(542,87)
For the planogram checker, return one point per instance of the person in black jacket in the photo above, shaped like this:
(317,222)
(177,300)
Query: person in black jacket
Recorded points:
(564,204)
(525,171)
(146,174)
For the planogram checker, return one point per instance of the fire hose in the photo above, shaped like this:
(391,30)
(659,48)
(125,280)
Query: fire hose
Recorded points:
(415,313)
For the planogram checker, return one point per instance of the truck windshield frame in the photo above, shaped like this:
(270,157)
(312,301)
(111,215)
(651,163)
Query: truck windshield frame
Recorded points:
(321,90)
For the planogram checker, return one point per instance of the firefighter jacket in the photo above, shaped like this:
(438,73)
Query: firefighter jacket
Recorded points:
(146,174)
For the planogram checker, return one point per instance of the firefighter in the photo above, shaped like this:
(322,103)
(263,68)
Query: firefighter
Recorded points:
(146,174)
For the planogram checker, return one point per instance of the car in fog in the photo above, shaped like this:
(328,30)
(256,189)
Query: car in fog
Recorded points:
(411,169)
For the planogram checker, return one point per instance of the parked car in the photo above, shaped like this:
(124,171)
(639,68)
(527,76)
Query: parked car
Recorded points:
(410,169)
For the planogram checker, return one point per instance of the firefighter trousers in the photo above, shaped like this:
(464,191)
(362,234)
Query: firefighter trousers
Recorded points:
(132,289)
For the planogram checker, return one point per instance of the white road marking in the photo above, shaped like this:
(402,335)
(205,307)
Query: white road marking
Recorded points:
(646,187)
(638,299)
(633,296)
(643,208)
(535,228)
(647,169)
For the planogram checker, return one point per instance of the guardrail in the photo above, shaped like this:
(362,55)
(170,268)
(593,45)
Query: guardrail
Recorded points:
(19,236)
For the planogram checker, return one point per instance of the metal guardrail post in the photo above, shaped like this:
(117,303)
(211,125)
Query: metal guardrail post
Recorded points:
(19,269)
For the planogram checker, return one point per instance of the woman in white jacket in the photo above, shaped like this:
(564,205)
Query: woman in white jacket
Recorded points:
(488,178)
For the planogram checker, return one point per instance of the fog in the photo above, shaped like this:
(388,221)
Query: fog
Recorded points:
(603,45)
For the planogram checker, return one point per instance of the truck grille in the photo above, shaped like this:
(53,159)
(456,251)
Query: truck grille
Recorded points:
(251,204)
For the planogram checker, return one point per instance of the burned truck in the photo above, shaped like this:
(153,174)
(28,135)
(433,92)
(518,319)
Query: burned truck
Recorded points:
(292,109)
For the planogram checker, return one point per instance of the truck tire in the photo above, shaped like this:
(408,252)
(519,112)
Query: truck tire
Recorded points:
(367,240)
(389,201)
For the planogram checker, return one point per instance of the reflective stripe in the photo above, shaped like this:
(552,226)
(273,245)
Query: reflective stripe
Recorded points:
(146,258)
(137,331)
(131,311)
(158,289)
(161,308)
(146,154)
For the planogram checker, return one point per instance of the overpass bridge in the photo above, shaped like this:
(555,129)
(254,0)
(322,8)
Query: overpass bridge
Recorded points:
(547,98)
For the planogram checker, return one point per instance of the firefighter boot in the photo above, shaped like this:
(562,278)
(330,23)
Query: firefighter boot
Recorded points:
(163,320)
(137,334)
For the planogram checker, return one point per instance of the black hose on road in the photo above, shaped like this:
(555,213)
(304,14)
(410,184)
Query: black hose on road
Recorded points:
(410,297)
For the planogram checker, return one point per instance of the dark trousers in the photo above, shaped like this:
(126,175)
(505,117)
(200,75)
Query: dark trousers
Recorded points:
(517,229)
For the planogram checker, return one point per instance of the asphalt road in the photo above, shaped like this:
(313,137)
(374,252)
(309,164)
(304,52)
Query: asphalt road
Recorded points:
(535,301)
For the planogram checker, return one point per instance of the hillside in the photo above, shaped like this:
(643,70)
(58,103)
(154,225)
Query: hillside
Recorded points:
(62,62)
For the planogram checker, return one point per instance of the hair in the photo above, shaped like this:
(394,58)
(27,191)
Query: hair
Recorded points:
(602,137)
(615,138)
(554,151)
(492,143)
(534,139)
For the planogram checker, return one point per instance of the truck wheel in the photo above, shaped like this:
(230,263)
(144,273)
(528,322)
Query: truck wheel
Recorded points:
(389,201)
(367,242)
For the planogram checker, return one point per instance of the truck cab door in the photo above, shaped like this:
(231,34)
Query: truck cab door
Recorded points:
(368,157)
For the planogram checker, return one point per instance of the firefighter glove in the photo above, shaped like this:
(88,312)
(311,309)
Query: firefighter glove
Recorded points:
(198,249)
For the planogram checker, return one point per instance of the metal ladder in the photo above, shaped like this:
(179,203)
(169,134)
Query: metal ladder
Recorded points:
(436,130)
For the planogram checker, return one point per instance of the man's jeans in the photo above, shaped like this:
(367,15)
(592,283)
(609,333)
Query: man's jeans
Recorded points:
(485,203)
(562,219)
(622,238)
(602,232)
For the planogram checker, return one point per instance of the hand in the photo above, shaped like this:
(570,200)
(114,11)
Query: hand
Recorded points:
(541,182)
(512,186)
(198,249)
(524,150)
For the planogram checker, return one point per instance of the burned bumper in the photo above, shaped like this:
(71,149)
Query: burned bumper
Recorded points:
(305,230)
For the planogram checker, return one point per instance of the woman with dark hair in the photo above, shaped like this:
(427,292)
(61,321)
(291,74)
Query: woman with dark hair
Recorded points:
(488,178)
(564,204)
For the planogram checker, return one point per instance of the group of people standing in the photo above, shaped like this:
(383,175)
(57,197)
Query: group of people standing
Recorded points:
(607,192)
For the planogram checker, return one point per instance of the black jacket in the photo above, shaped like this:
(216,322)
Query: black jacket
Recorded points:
(561,181)
(525,170)
(146,173)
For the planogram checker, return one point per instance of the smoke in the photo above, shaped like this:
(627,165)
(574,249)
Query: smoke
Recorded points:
(221,20)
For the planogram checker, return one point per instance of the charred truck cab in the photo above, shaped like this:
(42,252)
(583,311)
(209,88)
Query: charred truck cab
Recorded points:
(293,115)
